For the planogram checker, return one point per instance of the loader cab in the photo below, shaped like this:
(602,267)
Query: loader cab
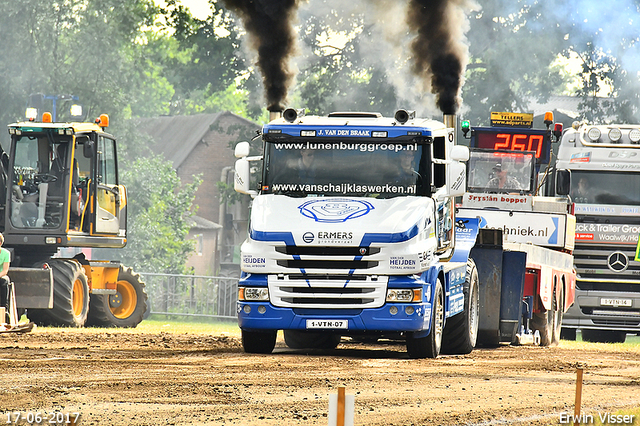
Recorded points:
(62,186)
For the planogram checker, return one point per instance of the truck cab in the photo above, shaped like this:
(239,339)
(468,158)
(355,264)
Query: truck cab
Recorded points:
(605,187)
(505,171)
(351,230)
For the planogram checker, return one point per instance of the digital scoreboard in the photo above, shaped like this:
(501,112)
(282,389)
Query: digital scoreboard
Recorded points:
(513,139)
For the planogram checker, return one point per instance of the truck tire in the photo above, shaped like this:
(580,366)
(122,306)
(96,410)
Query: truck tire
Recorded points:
(310,340)
(124,309)
(70,297)
(429,346)
(603,336)
(549,323)
(461,331)
(259,342)
(568,334)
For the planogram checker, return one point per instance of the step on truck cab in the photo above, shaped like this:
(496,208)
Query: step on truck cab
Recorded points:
(605,186)
(507,163)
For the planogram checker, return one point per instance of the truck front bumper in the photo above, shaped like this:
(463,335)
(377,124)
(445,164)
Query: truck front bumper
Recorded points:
(410,317)
(604,311)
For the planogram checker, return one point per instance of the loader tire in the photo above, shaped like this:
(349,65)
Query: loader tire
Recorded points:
(70,297)
(124,309)
(461,331)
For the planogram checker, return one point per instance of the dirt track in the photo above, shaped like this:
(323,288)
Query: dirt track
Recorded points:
(124,377)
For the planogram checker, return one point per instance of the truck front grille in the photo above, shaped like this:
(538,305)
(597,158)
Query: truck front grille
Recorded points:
(327,264)
(347,258)
(591,264)
(307,291)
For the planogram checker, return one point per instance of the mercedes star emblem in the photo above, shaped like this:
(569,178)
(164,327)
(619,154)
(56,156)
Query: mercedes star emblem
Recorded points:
(618,261)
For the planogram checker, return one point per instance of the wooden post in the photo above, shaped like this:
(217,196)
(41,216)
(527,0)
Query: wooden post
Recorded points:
(341,408)
(576,412)
(341,398)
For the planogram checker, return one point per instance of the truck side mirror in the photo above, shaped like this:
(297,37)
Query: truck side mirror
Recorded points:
(460,153)
(242,178)
(456,179)
(88,149)
(242,149)
(563,182)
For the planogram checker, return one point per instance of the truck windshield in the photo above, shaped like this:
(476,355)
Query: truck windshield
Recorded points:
(382,170)
(599,187)
(500,171)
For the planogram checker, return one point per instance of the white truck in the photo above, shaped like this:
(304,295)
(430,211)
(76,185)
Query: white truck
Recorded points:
(353,233)
(503,169)
(605,166)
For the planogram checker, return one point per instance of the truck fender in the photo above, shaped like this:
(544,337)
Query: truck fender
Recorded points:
(430,277)
(467,229)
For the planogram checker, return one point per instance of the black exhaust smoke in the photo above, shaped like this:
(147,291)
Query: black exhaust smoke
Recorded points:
(439,50)
(270,28)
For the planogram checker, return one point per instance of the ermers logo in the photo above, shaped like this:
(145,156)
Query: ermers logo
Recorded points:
(335,210)
(335,235)
(308,237)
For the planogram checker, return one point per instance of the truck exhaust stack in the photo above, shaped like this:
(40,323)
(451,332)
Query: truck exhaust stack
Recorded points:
(274,115)
(449,120)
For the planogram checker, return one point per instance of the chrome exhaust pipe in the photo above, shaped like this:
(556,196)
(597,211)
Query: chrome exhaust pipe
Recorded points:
(449,120)
(274,115)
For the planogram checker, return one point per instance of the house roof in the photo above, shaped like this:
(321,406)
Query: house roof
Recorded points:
(176,136)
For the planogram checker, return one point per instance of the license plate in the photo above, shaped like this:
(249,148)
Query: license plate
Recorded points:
(328,324)
(615,302)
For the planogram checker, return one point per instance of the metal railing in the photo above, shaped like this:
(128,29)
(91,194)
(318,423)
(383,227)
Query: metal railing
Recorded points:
(191,295)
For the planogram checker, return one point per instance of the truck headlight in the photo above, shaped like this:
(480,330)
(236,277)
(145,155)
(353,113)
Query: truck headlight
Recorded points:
(251,294)
(404,295)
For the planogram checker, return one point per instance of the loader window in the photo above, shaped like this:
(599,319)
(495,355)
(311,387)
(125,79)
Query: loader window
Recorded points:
(107,162)
(34,181)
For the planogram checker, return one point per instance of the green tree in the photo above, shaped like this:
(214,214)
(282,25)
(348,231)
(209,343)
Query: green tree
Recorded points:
(513,51)
(345,76)
(208,81)
(160,205)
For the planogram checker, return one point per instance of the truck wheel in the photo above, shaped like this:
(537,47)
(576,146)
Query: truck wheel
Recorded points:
(429,346)
(461,331)
(310,340)
(548,324)
(603,336)
(259,342)
(123,309)
(70,297)
(568,334)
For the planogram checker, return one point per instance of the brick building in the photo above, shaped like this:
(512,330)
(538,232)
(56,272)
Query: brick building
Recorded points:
(203,144)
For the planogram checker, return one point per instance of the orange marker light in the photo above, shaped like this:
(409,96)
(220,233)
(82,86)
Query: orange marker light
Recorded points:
(548,117)
(103,120)
(46,117)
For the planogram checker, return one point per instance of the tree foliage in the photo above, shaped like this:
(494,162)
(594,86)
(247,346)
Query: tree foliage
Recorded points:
(131,59)
(161,206)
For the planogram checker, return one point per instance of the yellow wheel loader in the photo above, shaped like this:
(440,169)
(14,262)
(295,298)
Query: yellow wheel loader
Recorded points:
(60,189)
